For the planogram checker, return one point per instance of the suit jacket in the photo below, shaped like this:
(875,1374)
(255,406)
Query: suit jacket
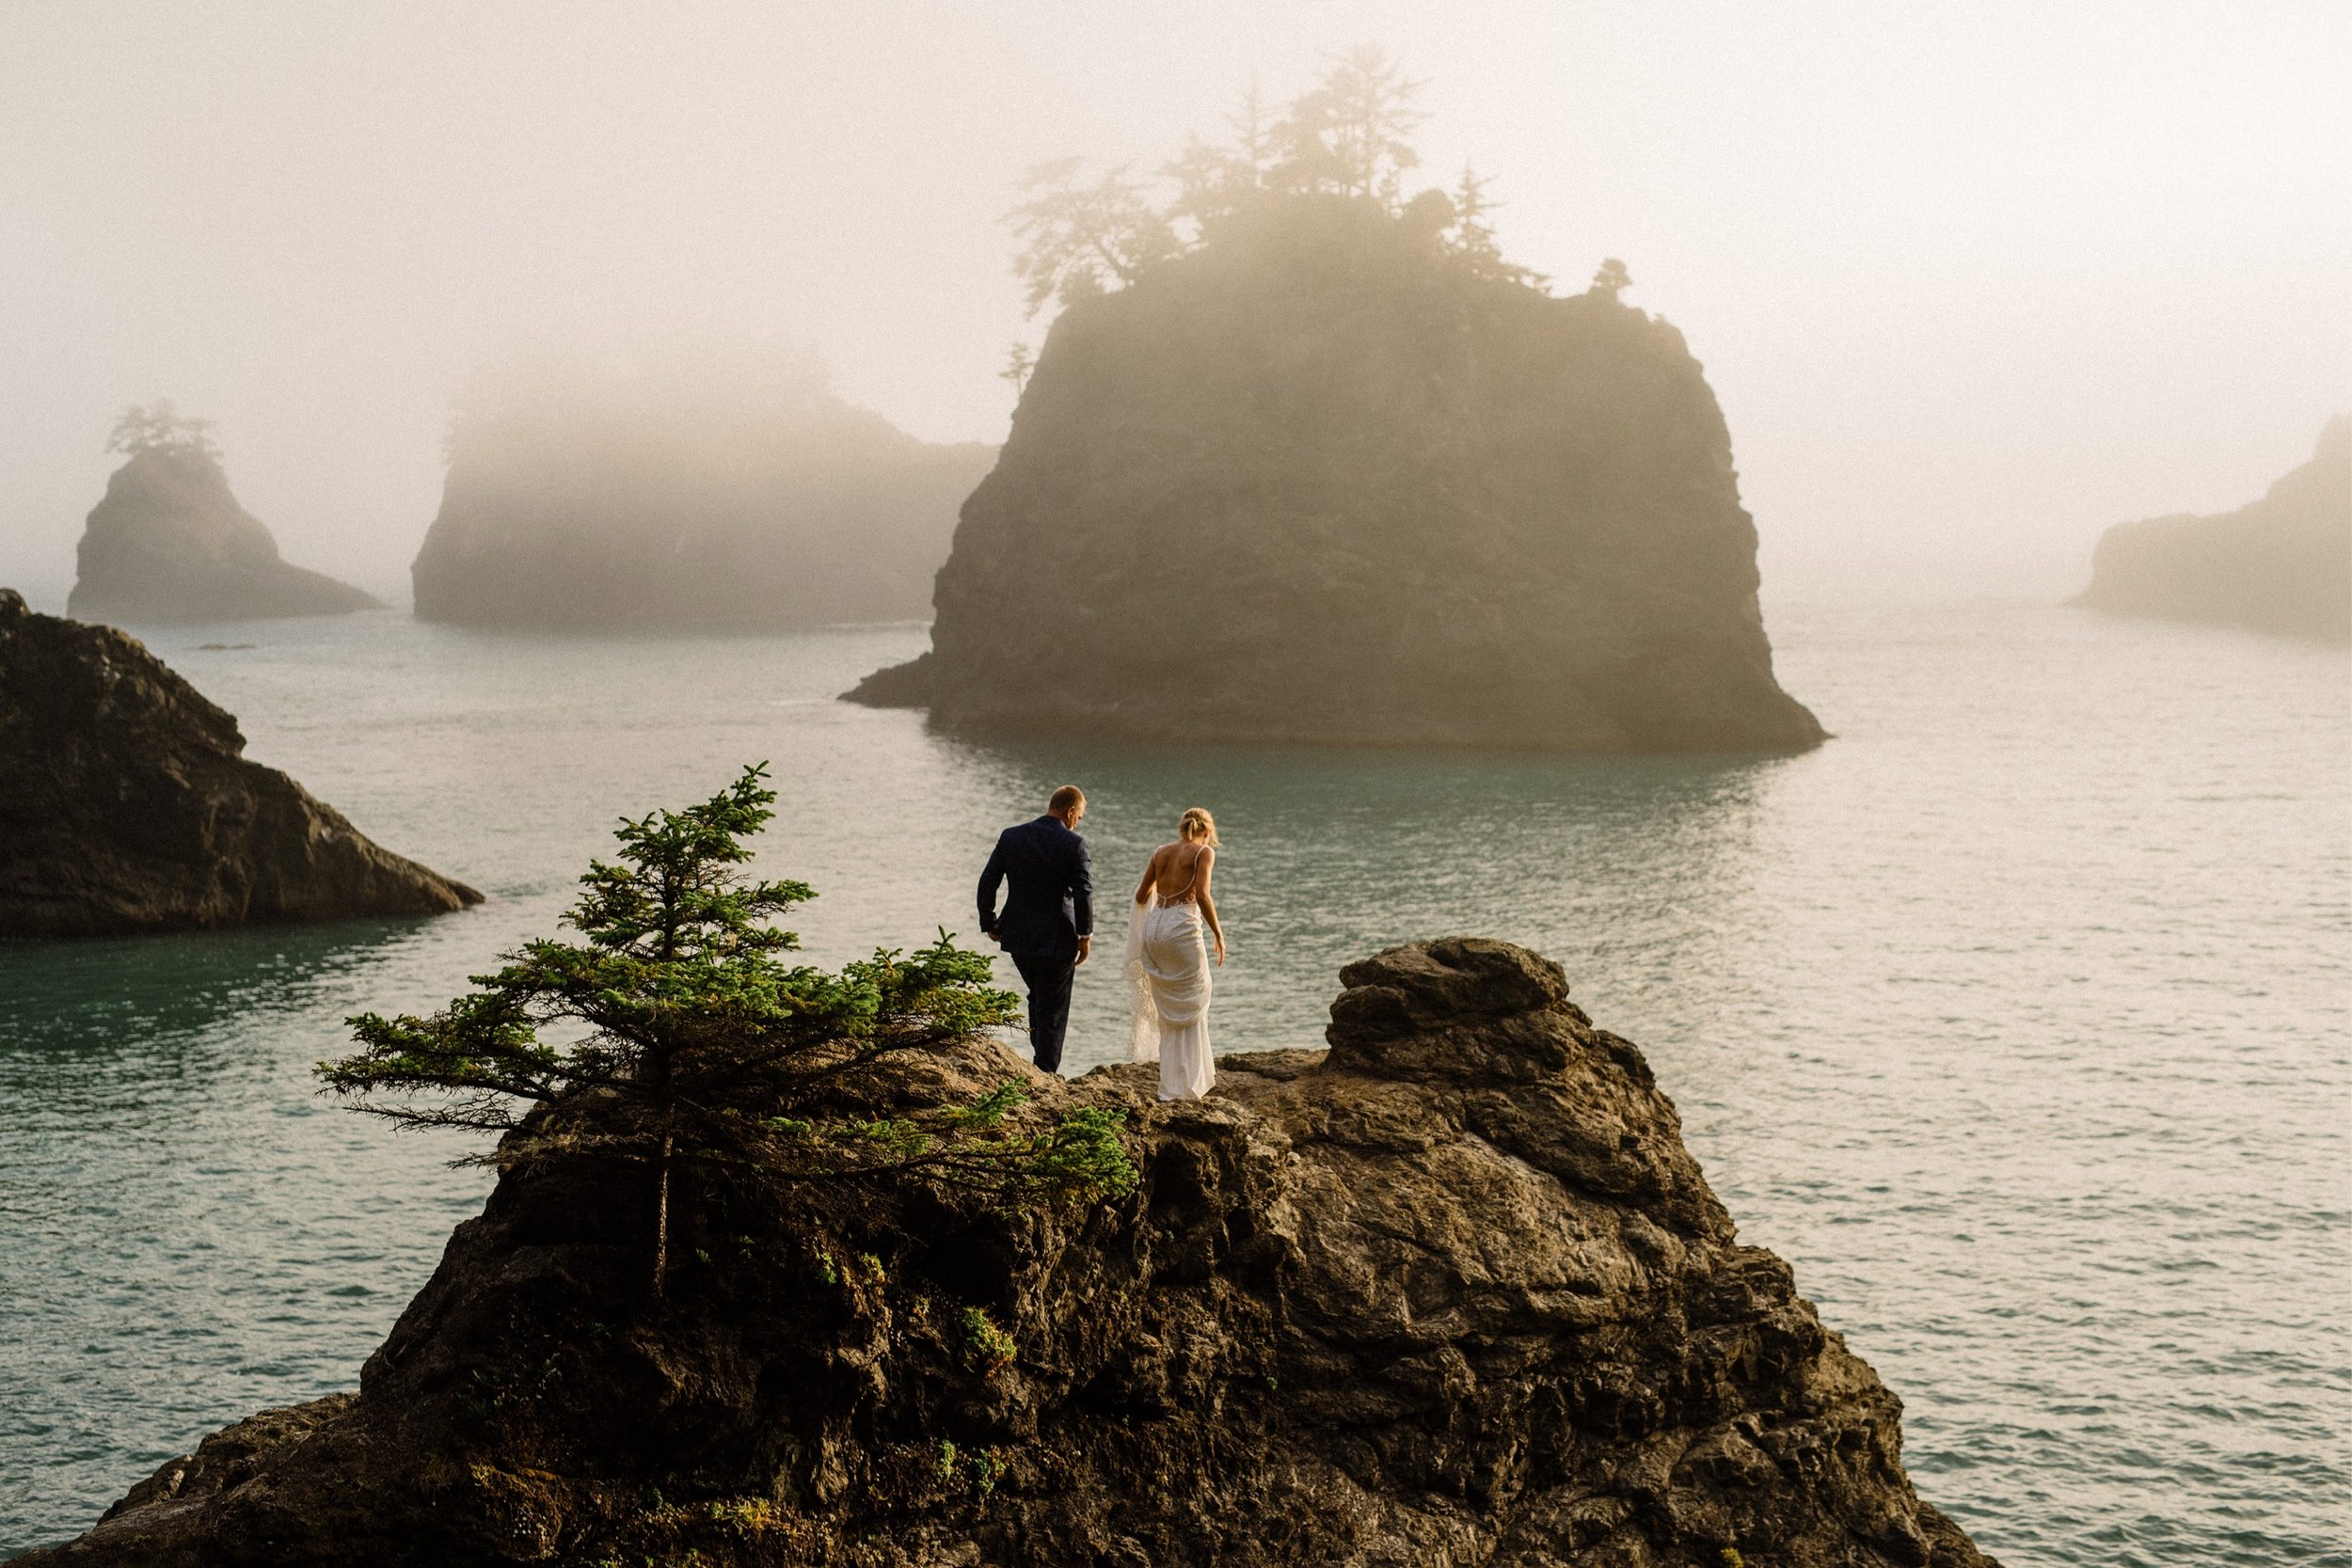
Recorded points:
(1052,902)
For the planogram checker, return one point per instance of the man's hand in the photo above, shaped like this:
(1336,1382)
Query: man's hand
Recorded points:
(994,938)
(1086,945)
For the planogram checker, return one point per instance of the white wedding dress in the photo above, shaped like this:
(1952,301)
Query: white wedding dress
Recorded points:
(1167,980)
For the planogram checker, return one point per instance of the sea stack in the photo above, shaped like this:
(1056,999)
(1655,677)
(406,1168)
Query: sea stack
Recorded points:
(693,497)
(170,544)
(2283,563)
(1322,480)
(127,806)
(1451,1292)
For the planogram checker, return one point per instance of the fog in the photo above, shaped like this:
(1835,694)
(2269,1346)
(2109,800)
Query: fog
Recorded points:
(1971,281)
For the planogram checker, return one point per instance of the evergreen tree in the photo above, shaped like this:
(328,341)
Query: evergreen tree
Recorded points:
(1083,240)
(1348,134)
(1019,362)
(1611,279)
(1472,238)
(1211,182)
(1253,133)
(687,1036)
(161,428)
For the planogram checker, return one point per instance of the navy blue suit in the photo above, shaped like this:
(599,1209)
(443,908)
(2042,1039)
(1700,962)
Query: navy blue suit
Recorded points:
(1050,907)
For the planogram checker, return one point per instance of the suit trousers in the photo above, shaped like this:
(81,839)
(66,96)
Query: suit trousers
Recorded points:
(1049,981)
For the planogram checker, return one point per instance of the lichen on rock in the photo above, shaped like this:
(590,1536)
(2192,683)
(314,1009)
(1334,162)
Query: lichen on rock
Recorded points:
(127,805)
(1451,1292)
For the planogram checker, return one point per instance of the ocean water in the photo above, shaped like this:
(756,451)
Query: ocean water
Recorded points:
(2016,1018)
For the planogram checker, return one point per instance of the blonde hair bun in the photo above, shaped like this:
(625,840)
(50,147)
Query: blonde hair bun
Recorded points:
(1197,824)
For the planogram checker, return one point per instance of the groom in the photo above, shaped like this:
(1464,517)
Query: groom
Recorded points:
(1048,923)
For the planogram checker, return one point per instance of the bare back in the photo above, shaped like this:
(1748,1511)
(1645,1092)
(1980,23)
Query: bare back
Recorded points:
(1176,874)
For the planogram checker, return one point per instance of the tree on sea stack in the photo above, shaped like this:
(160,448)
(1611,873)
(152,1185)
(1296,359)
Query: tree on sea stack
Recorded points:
(1348,137)
(162,428)
(687,1036)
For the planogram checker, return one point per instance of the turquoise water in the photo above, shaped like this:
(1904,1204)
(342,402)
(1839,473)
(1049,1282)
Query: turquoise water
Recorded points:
(2015,1018)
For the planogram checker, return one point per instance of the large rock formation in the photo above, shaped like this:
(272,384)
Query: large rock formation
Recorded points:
(1320,482)
(2283,563)
(169,543)
(1450,1293)
(687,501)
(126,806)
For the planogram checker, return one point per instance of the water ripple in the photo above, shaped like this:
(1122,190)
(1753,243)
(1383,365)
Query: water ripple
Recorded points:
(2015,1019)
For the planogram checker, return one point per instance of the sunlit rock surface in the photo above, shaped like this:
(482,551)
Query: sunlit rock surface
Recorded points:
(1317,482)
(170,544)
(2283,563)
(1451,1294)
(611,506)
(126,804)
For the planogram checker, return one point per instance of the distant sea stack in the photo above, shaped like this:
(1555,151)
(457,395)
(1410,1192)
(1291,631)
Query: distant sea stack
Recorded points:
(1320,481)
(1451,1292)
(126,805)
(2283,563)
(693,497)
(170,544)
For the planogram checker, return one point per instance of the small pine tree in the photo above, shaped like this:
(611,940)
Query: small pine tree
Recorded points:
(1019,362)
(691,1038)
(1253,133)
(1472,238)
(1611,279)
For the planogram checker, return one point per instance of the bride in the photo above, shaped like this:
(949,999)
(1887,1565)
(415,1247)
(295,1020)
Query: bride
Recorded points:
(1167,965)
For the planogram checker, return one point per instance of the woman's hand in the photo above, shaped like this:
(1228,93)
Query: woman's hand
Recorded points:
(1220,950)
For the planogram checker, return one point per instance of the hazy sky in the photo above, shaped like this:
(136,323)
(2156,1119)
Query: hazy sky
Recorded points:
(1972,279)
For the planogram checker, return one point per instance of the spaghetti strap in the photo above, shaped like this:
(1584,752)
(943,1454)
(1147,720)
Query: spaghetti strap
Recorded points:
(1190,881)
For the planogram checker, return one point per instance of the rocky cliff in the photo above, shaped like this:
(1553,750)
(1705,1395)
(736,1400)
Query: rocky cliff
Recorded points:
(1452,1293)
(2283,563)
(126,805)
(1318,482)
(169,543)
(602,504)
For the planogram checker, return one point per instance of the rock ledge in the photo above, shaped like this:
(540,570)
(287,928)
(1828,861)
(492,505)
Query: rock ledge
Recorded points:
(1450,1293)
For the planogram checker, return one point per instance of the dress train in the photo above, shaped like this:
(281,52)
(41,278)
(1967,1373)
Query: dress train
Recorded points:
(1167,981)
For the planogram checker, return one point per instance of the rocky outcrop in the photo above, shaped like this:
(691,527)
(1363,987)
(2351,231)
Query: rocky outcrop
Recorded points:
(170,544)
(1318,482)
(1451,1294)
(2283,563)
(602,505)
(126,805)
